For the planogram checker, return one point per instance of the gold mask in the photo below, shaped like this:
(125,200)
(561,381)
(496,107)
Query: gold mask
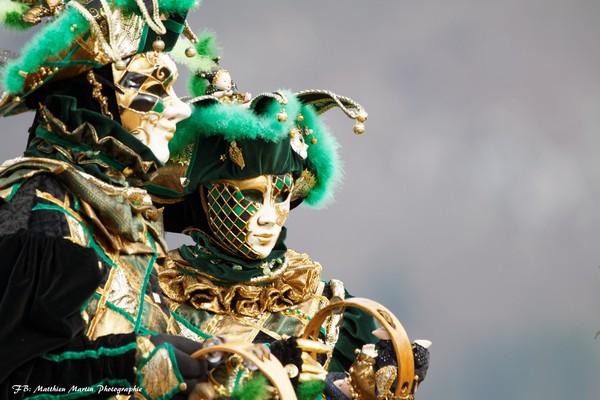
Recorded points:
(148,105)
(247,215)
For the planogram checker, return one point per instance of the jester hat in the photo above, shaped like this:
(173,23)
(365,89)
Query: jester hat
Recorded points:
(81,35)
(276,133)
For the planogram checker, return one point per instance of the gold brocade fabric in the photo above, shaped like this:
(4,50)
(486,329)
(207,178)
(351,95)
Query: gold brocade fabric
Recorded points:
(297,283)
(123,227)
(281,308)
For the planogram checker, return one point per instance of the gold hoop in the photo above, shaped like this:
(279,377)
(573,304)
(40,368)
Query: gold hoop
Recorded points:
(402,346)
(269,365)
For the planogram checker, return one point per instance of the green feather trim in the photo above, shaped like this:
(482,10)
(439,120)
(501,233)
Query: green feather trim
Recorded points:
(254,389)
(50,41)
(11,15)
(310,390)
(325,158)
(235,122)
(197,86)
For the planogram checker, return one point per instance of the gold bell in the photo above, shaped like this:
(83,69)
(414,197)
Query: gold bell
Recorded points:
(158,45)
(362,116)
(282,116)
(190,52)
(359,128)
(120,65)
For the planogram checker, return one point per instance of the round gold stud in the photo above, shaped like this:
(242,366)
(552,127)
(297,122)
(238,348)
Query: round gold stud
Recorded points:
(362,116)
(190,52)
(300,118)
(158,45)
(313,141)
(282,116)
(73,28)
(120,65)
(359,128)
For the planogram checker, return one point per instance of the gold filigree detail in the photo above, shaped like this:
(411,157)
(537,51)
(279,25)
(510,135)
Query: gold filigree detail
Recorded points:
(236,156)
(303,185)
(158,374)
(362,378)
(97,94)
(384,379)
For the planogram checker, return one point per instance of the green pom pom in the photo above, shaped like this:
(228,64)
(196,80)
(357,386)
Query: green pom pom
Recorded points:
(254,389)
(310,390)
(207,45)
(11,15)
(14,20)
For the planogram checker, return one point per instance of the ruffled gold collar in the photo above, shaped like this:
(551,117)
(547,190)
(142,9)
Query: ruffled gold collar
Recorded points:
(295,285)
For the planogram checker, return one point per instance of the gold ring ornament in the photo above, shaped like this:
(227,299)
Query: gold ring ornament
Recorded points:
(363,381)
(258,356)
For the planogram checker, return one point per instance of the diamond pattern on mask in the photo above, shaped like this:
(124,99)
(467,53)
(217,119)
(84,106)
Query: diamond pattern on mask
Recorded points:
(228,215)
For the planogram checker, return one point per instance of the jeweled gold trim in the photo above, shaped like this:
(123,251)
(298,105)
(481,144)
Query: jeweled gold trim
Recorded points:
(295,284)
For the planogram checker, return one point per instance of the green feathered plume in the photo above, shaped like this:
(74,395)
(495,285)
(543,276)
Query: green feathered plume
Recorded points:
(324,155)
(11,15)
(254,389)
(310,390)
(235,122)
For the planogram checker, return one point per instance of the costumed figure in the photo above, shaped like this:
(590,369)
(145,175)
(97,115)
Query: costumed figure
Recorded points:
(80,304)
(235,174)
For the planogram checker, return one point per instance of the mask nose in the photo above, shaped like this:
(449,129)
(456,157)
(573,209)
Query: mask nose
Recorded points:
(268,215)
(176,110)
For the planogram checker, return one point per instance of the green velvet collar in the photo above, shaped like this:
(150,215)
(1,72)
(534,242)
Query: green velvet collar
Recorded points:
(224,269)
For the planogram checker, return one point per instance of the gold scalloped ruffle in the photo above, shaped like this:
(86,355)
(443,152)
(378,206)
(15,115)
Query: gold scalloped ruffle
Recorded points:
(296,285)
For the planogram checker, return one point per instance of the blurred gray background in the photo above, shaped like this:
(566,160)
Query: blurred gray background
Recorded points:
(471,205)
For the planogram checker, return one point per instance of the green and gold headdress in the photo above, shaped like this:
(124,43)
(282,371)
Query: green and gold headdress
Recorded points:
(275,133)
(84,34)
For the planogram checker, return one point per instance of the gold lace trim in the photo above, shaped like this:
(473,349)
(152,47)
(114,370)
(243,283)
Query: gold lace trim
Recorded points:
(296,285)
